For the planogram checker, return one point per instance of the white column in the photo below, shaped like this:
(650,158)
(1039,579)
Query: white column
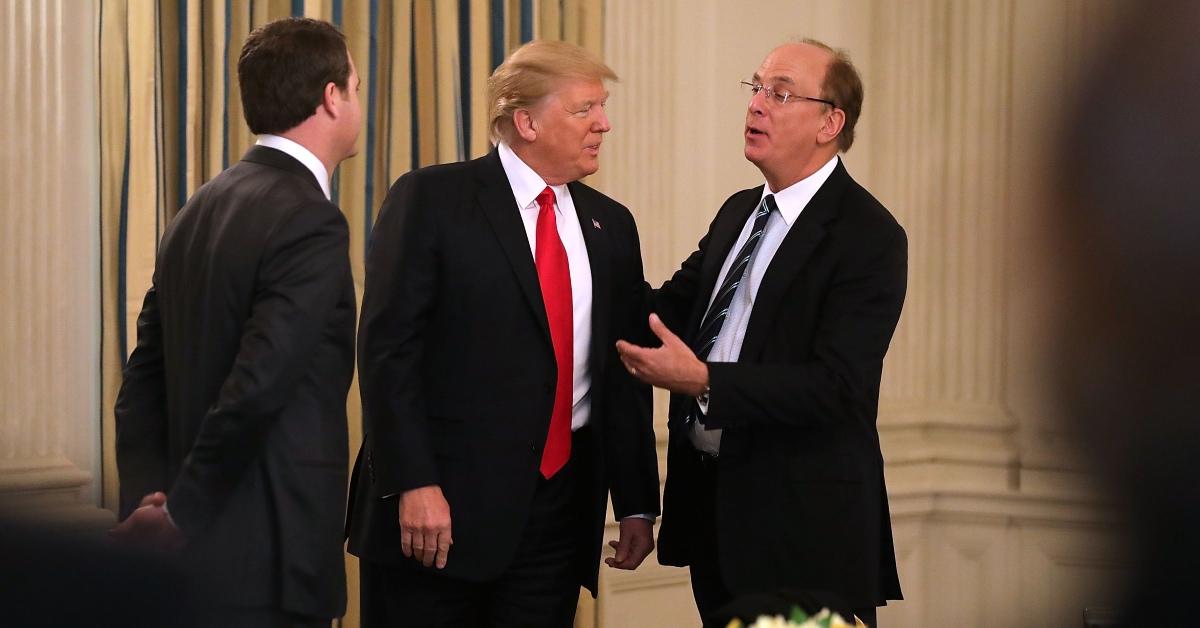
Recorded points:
(49,247)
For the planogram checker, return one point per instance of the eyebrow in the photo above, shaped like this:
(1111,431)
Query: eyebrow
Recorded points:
(782,79)
(588,102)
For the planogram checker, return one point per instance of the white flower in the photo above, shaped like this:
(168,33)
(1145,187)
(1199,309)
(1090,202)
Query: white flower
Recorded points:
(778,621)
(816,621)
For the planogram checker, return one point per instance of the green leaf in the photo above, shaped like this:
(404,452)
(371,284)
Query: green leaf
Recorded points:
(798,615)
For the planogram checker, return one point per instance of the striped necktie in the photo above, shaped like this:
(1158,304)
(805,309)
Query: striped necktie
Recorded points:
(710,327)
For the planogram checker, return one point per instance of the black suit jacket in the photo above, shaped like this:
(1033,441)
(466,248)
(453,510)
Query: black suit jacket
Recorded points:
(458,373)
(800,491)
(234,401)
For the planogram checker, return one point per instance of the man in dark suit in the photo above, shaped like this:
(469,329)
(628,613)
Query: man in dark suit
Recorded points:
(497,415)
(773,336)
(231,421)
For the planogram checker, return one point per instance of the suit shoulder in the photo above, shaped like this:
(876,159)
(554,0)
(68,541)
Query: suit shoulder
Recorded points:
(741,197)
(437,175)
(863,211)
(583,193)
(590,194)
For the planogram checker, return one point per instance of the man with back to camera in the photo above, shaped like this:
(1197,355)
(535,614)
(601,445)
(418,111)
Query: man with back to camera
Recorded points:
(773,335)
(497,416)
(231,420)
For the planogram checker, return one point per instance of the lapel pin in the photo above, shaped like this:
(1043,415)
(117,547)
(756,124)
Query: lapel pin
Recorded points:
(595,223)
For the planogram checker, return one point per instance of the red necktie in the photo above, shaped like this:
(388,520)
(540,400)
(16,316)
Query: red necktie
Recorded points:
(554,276)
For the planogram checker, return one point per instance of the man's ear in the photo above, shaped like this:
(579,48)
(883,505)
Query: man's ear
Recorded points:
(525,125)
(834,121)
(331,99)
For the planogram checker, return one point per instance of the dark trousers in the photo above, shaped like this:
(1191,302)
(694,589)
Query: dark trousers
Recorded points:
(708,585)
(264,618)
(539,589)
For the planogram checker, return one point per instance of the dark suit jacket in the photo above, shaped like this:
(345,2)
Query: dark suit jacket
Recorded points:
(458,373)
(800,492)
(234,399)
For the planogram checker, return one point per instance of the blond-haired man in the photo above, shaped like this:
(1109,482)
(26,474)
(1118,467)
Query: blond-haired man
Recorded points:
(496,412)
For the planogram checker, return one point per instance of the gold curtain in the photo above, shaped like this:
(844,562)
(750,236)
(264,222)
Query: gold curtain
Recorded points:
(171,120)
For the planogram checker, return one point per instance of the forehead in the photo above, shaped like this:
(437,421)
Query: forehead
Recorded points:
(579,90)
(799,64)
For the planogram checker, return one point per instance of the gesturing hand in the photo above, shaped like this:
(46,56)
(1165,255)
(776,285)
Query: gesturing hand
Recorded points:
(425,525)
(672,366)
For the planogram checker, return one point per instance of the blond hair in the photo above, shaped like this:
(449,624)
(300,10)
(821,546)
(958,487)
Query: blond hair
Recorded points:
(530,73)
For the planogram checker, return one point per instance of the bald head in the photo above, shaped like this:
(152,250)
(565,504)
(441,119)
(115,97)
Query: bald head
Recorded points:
(792,139)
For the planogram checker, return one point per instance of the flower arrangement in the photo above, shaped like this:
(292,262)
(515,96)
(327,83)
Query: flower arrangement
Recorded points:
(798,619)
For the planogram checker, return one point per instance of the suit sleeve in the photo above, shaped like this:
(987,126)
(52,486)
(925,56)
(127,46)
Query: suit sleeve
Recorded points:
(141,413)
(397,304)
(674,300)
(837,384)
(631,451)
(299,282)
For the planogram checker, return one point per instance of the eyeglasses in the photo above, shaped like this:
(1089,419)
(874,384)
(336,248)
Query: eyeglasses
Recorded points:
(780,97)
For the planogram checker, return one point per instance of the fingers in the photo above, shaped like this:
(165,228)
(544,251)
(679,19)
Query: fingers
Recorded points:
(622,548)
(154,499)
(406,542)
(633,357)
(443,550)
(610,560)
(432,547)
(424,517)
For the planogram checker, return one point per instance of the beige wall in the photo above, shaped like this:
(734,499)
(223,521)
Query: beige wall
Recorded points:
(993,519)
(49,251)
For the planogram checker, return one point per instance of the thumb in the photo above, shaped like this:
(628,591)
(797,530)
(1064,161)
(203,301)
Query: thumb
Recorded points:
(660,329)
(622,547)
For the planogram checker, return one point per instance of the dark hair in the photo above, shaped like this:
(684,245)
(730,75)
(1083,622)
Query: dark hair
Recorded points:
(284,68)
(842,86)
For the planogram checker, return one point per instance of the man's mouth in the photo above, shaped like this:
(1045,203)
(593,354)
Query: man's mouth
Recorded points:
(754,132)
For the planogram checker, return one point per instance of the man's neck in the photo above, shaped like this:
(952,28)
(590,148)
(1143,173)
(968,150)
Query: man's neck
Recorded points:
(313,142)
(522,150)
(778,181)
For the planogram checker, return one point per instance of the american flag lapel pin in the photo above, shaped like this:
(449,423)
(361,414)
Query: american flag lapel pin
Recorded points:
(595,223)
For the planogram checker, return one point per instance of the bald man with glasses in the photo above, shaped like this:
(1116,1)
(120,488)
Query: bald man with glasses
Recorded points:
(773,335)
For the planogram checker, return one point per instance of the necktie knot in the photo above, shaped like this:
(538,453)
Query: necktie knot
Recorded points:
(545,200)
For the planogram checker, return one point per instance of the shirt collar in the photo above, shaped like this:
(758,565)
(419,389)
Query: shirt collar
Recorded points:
(793,199)
(525,183)
(300,154)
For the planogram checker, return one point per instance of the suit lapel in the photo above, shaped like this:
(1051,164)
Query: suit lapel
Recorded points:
(497,202)
(724,235)
(800,242)
(599,259)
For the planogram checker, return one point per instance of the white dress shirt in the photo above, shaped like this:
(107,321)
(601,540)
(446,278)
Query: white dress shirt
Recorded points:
(300,154)
(526,185)
(791,201)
